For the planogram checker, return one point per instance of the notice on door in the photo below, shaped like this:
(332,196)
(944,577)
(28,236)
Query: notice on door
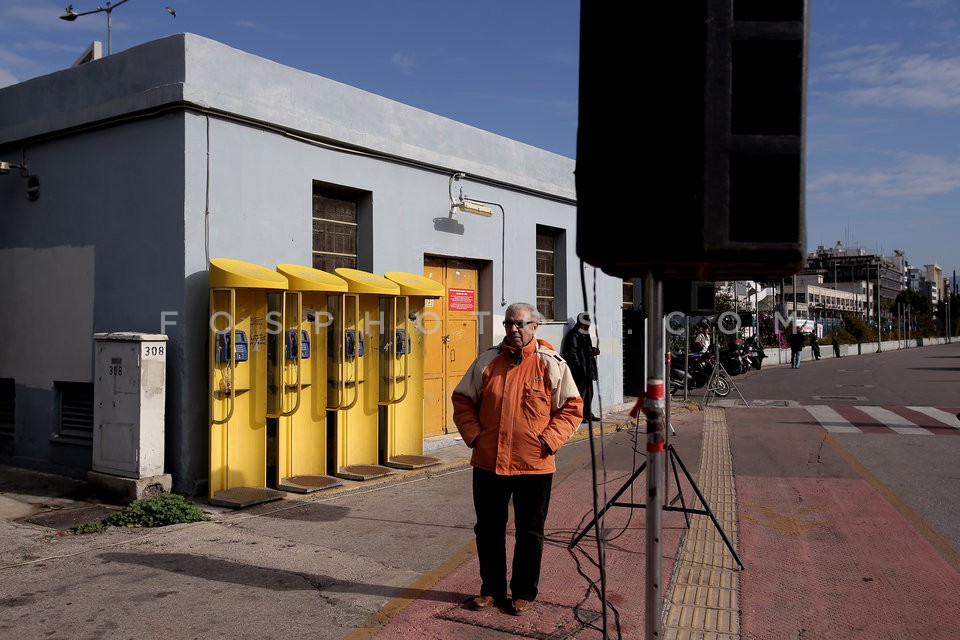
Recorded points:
(461,300)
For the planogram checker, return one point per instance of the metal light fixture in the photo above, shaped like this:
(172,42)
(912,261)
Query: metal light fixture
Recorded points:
(469,206)
(70,15)
(481,208)
(33,182)
(6,167)
(466,205)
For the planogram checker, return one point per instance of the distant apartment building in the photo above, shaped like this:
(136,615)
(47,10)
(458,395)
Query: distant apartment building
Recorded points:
(841,280)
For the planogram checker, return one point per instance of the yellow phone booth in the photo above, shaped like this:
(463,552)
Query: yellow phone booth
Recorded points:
(401,372)
(238,364)
(354,399)
(298,398)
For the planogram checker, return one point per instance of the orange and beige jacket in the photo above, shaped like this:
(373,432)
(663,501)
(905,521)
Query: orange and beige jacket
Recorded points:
(505,403)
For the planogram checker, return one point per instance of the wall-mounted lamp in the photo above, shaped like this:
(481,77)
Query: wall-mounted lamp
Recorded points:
(470,206)
(481,208)
(33,182)
(466,205)
(6,167)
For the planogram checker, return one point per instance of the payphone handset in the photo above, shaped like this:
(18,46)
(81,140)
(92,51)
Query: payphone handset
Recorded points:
(240,348)
(403,342)
(397,347)
(291,344)
(354,343)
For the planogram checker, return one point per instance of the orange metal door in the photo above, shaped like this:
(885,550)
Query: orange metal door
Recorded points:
(451,326)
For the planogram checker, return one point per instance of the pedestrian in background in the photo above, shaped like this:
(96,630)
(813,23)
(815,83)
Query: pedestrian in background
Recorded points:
(581,356)
(815,346)
(515,407)
(836,346)
(795,340)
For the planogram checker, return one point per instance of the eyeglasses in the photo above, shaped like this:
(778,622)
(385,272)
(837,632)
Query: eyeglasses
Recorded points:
(518,324)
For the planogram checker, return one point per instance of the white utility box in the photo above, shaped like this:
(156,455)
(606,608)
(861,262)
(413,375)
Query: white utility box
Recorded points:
(128,404)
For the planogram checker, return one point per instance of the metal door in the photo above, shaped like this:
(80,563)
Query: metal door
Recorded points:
(451,326)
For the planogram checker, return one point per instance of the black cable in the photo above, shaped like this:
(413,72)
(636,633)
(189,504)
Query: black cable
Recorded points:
(601,558)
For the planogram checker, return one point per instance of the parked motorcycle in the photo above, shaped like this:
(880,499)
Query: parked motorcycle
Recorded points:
(698,374)
(734,358)
(754,352)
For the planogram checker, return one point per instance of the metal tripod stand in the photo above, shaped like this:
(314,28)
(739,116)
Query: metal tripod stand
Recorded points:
(718,370)
(675,461)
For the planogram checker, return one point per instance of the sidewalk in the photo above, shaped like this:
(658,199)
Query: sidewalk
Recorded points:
(825,554)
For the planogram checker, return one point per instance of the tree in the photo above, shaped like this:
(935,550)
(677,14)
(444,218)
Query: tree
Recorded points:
(914,301)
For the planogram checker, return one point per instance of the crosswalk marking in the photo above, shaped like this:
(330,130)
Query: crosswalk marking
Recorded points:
(948,419)
(893,421)
(831,420)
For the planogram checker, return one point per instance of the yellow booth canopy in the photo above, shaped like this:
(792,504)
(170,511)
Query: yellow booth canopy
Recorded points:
(229,273)
(412,284)
(303,278)
(365,282)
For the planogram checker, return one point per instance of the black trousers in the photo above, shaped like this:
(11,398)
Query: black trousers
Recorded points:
(491,499)
(586,393)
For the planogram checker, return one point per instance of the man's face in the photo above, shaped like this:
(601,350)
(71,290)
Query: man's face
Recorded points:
(520,328)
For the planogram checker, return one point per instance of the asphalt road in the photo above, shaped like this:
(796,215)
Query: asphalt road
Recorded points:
(871,391)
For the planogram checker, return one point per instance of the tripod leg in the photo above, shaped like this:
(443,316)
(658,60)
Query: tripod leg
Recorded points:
(676,479)
(703,501)
(609,504)
(734,385)
(711,383)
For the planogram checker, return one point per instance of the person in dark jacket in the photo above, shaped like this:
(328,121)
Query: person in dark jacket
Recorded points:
(836,346)
(795,340)
(815,346)
(581,356)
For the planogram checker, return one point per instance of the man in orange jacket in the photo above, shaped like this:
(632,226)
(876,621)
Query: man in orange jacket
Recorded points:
(515,407)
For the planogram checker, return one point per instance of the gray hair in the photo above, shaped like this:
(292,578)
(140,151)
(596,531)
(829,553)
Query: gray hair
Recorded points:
(525,306)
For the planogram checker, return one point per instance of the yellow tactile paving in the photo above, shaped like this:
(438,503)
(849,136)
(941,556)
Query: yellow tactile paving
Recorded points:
(701,599)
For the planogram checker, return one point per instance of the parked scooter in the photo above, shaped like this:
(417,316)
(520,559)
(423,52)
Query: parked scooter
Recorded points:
(754,353)
(698,375)
(734,358)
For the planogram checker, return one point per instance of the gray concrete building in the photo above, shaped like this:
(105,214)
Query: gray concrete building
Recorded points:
(131,172)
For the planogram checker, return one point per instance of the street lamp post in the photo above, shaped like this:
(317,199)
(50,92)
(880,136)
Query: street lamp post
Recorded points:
(946,311)
(879,326)
(70,15)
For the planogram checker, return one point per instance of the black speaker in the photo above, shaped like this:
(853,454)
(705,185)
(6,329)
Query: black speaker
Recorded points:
(690,140)
(689,298)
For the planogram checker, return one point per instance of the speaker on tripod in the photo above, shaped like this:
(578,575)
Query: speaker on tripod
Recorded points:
(713,147)
(701,178)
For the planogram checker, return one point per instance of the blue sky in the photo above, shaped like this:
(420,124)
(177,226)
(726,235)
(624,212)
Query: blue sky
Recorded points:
(883,103)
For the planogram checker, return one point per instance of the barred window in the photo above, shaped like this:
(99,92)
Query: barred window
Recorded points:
(334,231)
(546,272)
(76,410)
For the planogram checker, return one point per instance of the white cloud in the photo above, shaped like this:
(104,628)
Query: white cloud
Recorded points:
(878,76)
(404,61)
(41,16)
(911,175)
